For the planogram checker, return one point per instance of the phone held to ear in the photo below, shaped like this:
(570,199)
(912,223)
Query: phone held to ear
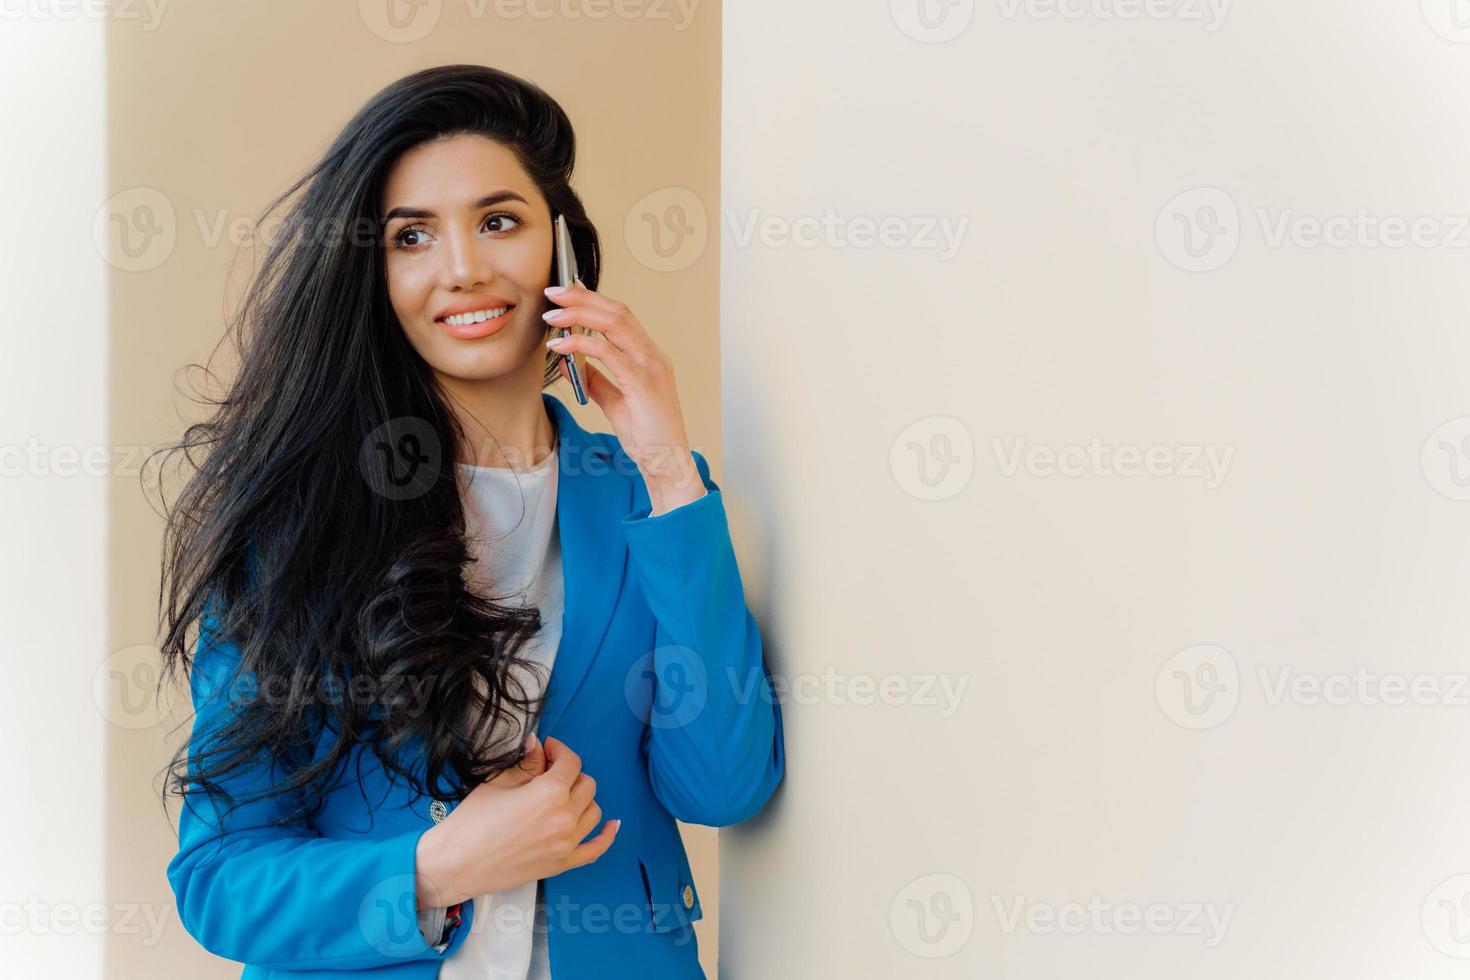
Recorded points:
(566,273)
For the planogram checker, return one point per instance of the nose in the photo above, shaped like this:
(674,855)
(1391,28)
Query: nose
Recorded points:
(467,261)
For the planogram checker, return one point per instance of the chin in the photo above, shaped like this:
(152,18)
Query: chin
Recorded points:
(482,368)
(481,361)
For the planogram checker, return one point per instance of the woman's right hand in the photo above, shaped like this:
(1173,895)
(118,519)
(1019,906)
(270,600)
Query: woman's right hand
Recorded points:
(525,824)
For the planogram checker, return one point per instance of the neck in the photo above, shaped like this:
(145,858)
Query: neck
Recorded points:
(506,424)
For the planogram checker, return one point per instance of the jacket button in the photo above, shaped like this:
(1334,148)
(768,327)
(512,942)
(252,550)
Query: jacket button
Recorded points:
(438,811)
(688,897)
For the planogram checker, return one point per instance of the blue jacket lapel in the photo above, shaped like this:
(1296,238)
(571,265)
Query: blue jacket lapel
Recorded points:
(592,498)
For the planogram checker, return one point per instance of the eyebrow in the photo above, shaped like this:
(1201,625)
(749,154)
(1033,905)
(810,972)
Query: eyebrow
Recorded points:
(487,201)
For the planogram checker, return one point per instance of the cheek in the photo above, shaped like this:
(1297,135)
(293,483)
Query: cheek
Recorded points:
(409,286)
(526,262)
(534,270)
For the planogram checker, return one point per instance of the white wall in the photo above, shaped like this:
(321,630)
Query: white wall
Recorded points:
(867,389)
(53,423)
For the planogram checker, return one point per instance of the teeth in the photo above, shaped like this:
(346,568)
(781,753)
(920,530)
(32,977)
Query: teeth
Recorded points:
(479,316)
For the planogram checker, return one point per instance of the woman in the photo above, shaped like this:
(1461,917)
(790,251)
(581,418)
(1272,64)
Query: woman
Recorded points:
(462,663)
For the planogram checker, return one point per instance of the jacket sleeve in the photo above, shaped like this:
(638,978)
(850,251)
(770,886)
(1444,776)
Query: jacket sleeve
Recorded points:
(282,897)
(714,741)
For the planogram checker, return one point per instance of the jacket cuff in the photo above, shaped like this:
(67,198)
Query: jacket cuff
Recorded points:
(682,533)
(646,513)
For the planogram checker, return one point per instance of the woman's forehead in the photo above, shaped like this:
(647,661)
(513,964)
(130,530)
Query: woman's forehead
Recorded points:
(456,173)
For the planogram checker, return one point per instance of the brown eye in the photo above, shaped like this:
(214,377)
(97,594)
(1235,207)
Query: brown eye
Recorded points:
(398,240)
(503,216)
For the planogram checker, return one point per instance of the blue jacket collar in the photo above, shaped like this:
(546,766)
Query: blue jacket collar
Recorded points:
(572,440)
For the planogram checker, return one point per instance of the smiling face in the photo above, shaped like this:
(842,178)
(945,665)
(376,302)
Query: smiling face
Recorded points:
(468,241)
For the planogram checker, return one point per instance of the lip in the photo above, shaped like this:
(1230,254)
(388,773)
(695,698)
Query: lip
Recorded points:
(473,306)
(472,331)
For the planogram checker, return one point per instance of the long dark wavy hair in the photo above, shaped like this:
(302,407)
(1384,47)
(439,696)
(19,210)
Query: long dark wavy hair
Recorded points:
(322,574)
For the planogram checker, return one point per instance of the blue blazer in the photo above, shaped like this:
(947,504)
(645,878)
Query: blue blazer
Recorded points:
(660,686)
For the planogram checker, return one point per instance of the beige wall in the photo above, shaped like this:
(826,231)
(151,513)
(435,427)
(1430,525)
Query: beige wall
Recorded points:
(215,108)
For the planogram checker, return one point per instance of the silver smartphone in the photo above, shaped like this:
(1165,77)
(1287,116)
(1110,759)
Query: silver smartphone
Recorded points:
(566,274)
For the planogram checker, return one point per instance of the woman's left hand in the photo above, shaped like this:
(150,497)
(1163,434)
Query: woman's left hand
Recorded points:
(636,391)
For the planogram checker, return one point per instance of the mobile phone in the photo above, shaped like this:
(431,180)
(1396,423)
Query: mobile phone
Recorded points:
(566,274)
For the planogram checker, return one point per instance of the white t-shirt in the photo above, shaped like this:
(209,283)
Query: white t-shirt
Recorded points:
(511,518)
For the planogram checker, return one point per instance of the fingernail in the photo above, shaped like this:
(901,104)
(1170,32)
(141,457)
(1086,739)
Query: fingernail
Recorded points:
(555,341)
(555,290)
(553,315)
(617,825)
